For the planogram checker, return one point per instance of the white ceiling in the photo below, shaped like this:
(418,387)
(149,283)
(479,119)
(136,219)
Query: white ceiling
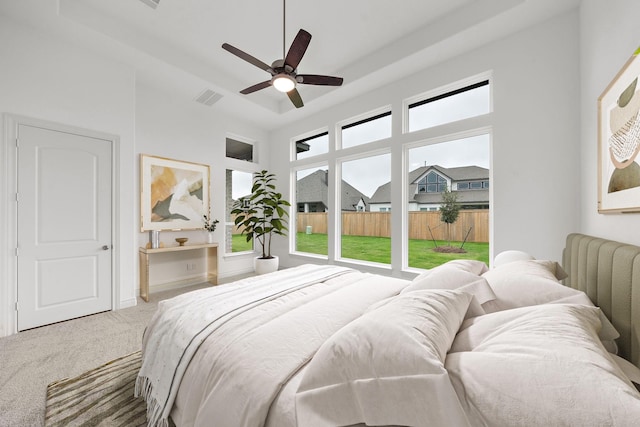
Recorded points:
(177,46)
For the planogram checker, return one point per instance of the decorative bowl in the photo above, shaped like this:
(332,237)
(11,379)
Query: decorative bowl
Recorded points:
(181,240)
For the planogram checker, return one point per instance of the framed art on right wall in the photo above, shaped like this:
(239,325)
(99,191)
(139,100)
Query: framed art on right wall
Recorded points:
(619,141)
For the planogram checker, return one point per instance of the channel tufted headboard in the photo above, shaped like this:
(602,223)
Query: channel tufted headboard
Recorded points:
(609,273)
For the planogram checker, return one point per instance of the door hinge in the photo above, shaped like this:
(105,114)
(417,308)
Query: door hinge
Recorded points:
(17,252)
(17,198)
(16,305)
(17,142)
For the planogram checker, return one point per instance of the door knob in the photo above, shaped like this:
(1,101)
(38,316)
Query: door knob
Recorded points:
(105,248)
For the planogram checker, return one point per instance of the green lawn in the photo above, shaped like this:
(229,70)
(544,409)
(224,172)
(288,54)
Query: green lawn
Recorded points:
(239,243)
(378,249)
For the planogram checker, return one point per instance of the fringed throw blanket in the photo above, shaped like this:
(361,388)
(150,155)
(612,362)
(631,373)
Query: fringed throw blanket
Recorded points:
(182,324)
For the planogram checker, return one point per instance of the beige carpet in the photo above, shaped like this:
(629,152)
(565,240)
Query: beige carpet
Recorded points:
(33,359)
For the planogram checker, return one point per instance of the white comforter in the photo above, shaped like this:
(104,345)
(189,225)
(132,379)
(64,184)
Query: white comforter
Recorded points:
(325,346)
(248,338)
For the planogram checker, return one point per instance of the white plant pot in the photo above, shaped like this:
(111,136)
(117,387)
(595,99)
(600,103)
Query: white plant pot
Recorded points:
(210,238)
(264,266)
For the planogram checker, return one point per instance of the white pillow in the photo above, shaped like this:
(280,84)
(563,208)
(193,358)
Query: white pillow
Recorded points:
(524,283)
(544,367)
(536,267)
(527,283)
(450,277)
(468,265)
(387,367)
(608,334)
(506,257)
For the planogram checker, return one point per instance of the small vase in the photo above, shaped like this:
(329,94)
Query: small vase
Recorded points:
(210,237)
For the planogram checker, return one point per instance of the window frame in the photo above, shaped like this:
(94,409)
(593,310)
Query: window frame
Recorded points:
(445,91)
(308,136)
(361,119)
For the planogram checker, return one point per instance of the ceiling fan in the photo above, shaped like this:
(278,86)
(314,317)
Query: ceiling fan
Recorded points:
(284,76)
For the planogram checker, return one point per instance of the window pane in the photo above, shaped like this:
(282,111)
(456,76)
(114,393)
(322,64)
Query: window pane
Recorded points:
(365,194)
(311,210)
(431,241)
(239,150)
(366,131)
(449,107)
(238,185)
(312,146)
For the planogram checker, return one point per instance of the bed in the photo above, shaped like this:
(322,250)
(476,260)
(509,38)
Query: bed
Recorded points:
(523,343)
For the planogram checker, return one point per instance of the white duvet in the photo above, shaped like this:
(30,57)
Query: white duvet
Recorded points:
(330,346)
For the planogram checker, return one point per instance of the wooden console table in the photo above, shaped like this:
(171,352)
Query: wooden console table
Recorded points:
(212,263)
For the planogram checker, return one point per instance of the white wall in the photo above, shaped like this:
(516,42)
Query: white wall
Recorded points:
(188,131)
(45,79)
(609,34)
(535,148)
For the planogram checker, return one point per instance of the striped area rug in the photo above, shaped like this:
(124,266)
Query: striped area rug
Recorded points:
(100,397)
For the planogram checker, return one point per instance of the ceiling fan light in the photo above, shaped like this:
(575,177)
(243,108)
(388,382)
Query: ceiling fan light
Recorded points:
(283,82)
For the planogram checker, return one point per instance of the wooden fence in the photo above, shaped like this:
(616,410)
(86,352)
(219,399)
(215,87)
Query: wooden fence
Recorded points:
(422,225)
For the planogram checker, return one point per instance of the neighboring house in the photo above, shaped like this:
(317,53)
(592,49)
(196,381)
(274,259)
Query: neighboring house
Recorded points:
(427,183)
(312,194)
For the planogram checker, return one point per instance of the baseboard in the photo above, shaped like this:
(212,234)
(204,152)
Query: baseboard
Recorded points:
(130,302)
(241,272)
(177,284)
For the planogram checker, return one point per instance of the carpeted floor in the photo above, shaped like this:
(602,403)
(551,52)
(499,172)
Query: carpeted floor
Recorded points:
(32,359)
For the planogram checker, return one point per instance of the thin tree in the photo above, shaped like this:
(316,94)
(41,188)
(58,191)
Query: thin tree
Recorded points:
(449,210)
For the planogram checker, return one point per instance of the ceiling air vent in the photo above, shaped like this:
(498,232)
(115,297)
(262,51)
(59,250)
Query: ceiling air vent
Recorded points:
(208,97)
(151,3)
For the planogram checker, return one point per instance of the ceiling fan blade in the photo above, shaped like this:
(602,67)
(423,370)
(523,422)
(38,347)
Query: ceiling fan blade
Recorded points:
(297,49)
(256,87)
(295,97)
(314,79)
(243,55)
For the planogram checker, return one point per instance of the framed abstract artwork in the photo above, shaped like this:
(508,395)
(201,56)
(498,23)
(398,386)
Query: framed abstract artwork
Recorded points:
(174,195)
(619,141)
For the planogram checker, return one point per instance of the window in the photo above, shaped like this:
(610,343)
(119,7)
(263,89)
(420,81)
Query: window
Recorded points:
(366,130)
(432,183)
(239,150)
(465,161)
(238,185)
(458,104)
(312,202)
(366,234)
(367,147)
(473,185)
(311,146)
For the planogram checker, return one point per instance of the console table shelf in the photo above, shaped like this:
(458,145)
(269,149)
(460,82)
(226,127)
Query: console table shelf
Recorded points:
(212,263)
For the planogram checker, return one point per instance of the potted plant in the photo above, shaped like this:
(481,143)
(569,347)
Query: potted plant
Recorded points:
(210,226)
(260,216)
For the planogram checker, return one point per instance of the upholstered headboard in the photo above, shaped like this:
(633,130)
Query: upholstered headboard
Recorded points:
(609,273)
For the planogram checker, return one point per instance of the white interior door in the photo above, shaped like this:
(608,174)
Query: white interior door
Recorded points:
(64,226)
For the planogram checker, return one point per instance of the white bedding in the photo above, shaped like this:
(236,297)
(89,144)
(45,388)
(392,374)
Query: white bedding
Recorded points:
(239,370)
(367,341)
(182,324)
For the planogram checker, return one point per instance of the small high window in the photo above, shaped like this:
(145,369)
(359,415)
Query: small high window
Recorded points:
(311,146)
(366,130)
(469,101)
(239,150)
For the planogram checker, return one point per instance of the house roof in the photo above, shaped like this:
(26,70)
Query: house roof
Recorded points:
(313,188)
(464,173)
